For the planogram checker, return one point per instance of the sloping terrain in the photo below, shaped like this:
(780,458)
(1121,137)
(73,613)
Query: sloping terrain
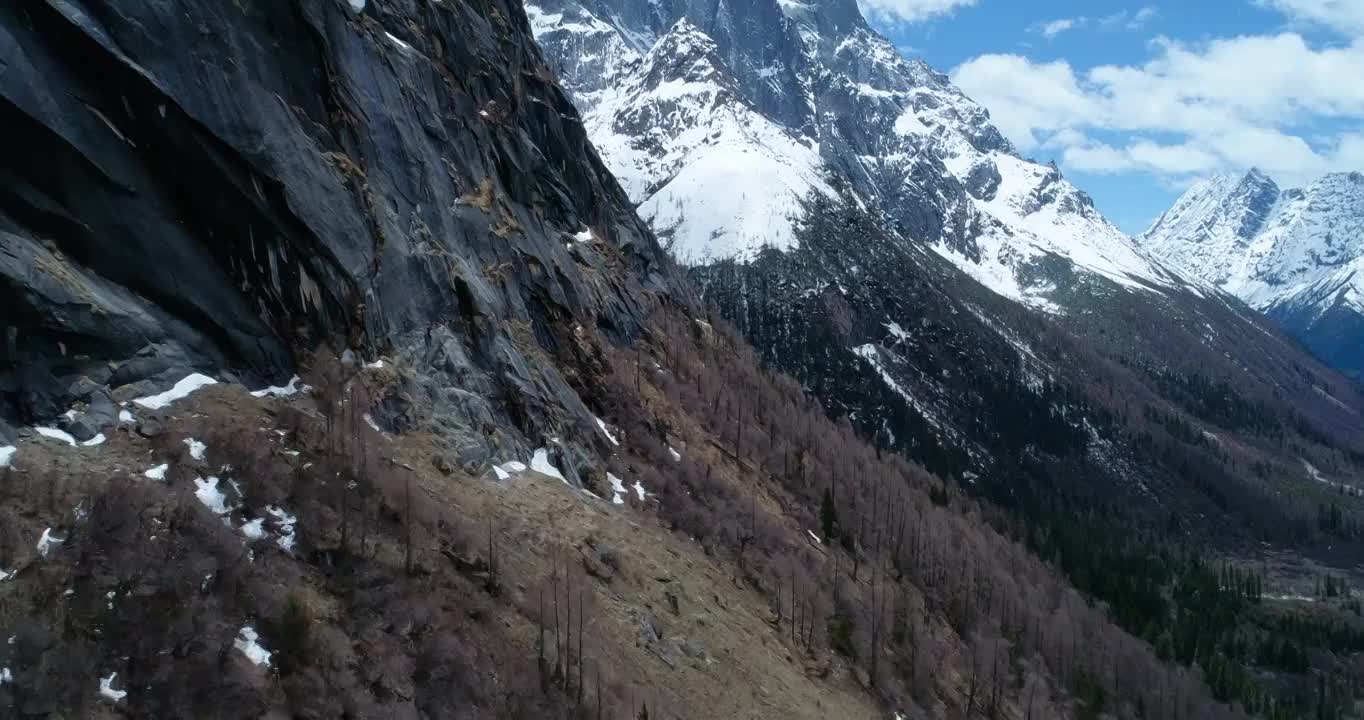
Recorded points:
(525,437)
(972,310)
(1296,255)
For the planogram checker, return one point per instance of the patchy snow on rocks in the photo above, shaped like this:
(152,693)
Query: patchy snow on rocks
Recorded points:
(196,448)
(157,473)
(254,529)
(677,456)
(208,493)
(606,430)
(56,434)
(291,388)
(6,455)
(284,527)
(248,642)
(617,489)
(96,440)
(48,541)
(107,691)
(179,391)
(540,463)
(126,417)
(639,490)
(6,676)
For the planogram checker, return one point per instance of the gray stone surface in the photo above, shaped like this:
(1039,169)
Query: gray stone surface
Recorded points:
(314,175)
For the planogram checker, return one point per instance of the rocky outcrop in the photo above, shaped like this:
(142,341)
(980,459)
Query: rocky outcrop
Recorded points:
(211,186)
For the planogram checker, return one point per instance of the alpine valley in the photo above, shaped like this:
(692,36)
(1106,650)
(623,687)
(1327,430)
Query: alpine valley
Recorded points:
(620,359)
(1120,400)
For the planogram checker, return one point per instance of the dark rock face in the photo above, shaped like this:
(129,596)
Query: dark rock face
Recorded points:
(207,185)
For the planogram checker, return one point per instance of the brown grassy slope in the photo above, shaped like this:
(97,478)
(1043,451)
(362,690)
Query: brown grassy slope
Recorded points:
(918,606)
(372,624)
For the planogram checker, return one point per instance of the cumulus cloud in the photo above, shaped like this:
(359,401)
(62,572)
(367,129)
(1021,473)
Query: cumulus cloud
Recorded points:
(909,11)
(1190,109)
(1346,16)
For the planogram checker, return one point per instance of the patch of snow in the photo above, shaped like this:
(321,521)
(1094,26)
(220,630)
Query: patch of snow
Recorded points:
(208,493)
(96,440)
(357,5)
(6,676)
(606,431)
(639,490)
(514,466)
(815,537)
(394,39)
(584,236)
(369,420)
(56,434)
(617,489)
(254,530)
(126,417)
(249,643)
(107,691)
(157,473)
(4,575)
(179,391)
(7,454)
(500,473)
(540,463)
(48,540)
(196,448)
(677,456)
(1290,597)
(285,526)
(291,388)
(376,365)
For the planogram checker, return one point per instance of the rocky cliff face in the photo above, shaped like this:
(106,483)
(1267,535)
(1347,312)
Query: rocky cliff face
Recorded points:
(1294,254)
(209,186)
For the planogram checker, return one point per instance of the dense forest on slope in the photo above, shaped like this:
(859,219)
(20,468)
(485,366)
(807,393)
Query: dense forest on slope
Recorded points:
(1139,478)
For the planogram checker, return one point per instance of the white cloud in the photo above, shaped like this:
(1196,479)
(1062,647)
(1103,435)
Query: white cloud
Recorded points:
(1056,27)
(1122,20)
(909,11)
(1346,16)
(1191,109)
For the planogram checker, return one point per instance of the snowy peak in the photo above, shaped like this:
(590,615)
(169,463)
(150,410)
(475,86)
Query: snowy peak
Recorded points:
(1213,221)
(715,177)
(722,121)
(1295,254)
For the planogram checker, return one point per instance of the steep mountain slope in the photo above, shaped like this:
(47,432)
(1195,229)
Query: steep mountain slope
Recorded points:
(1295,255)
(350,187)
(854,188)
(972,310)
(523,436)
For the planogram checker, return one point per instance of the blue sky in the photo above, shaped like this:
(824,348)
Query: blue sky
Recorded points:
(1135,100)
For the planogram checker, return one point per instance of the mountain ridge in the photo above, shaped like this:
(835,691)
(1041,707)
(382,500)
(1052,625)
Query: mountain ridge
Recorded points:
(1294,254)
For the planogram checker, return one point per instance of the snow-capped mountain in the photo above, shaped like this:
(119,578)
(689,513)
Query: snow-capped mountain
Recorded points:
(721,121)
(1296,255)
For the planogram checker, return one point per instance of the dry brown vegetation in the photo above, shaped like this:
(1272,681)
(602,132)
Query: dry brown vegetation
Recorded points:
(412,591)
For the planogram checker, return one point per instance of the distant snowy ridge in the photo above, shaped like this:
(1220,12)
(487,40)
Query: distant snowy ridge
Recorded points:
(1296,254)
